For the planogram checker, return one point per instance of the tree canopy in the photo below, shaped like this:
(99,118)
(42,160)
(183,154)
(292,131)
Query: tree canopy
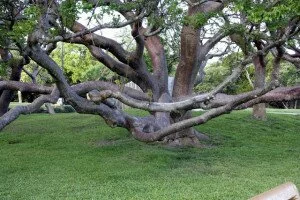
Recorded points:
(168,37)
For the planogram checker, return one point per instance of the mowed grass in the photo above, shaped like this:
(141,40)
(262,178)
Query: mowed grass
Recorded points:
(73,156)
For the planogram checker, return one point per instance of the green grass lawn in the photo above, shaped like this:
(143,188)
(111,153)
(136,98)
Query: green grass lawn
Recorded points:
(72,156)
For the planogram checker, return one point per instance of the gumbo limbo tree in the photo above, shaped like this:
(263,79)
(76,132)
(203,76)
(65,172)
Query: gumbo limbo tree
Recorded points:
(182,35)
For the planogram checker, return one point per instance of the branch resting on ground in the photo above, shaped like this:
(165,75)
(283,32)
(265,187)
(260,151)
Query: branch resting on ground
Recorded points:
(179,126)
(14,113)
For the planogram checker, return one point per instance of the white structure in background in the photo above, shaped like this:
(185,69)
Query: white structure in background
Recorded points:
(171,84)
(60,102)
(133,85)
(20,96)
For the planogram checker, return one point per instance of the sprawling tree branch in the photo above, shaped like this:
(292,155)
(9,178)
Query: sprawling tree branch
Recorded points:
(169,117)
(82,105)
(14,113)
(86,31)
(184,124)
(80,89)
(190,103)
(100,41)
(24,87)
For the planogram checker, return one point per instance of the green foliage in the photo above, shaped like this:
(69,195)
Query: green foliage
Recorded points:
(3,69)
(86,6)
(52,159)
(173,8)
(170,12)
(264,11)
(79,65)
(234,28)
(18,30)
(218,71)
(289,75)
(21,30)
(5,66)
(198,20)
(43,77)
(215,73)
(68,11)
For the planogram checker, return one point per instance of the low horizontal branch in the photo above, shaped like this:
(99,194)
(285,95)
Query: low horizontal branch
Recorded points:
(14,113)
(25,87)
(81,88)
(191,103)
(276,95)
(203,118)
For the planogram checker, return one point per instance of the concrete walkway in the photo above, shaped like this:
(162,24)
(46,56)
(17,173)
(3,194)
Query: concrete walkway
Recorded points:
(283,113)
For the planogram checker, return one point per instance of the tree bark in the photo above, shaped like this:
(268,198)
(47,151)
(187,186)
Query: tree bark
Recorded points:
(184,82)
(187,69)
(7,95)
(259,110)
(170,118)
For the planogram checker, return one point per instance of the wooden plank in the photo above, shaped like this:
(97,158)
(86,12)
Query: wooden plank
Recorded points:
(287,191)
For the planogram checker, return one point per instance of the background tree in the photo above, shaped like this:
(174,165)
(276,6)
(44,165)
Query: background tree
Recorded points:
(261,17)
(215,72)
(254,28)
(79,65)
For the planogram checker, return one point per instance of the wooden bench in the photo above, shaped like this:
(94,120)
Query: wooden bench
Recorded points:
(287,191)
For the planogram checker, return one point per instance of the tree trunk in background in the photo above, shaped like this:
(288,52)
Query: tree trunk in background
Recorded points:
(259,110)
(7,95)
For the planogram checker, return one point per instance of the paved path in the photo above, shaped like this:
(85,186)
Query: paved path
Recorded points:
(283,113)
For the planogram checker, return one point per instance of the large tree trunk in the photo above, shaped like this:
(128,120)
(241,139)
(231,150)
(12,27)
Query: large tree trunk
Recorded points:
(259,110)
(184,80)
(187,69)
(160,72)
